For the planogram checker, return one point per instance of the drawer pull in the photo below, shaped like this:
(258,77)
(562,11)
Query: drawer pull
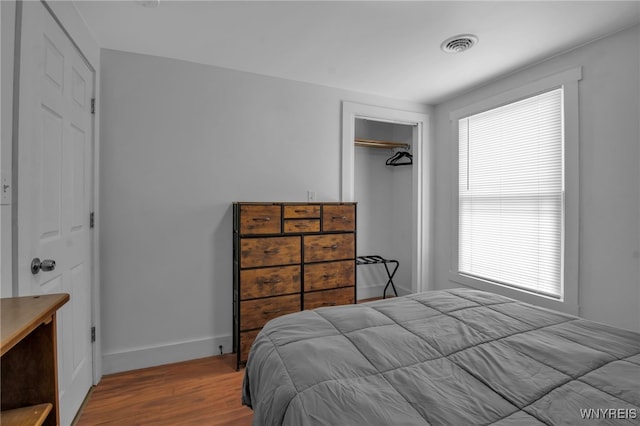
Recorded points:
(301,211)
(272,251)
(271,281)
(329,304)
(327,276)
(339,218)
(333,247)
(262,219)
(301,225)
(271,312)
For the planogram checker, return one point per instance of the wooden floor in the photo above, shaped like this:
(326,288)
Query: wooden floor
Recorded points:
(203,392)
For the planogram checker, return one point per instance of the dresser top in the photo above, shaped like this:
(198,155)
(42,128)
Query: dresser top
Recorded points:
(22,315)
(293,203)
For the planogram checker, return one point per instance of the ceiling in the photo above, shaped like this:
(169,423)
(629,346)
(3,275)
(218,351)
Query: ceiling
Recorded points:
(387,48)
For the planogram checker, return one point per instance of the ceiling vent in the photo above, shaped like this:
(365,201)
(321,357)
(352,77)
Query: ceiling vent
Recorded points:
(459,43)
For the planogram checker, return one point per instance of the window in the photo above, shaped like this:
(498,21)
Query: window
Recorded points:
(511,211)
(510,194)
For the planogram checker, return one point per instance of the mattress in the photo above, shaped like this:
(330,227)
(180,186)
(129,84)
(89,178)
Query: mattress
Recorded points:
(451,357)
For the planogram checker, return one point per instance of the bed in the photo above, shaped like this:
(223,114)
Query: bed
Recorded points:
(450,357)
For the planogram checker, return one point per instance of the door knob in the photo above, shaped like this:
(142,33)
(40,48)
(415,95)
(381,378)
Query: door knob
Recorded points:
(46,265)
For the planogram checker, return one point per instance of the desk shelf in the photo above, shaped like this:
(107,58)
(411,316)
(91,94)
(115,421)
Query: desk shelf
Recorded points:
(34,415)
(29,377)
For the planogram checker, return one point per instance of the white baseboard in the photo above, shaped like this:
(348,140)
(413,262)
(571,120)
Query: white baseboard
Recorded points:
(137,358)
(376,291)
(402,291)
(369,292)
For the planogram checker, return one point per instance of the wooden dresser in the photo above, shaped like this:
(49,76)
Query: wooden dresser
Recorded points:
(29,360)
(288,257)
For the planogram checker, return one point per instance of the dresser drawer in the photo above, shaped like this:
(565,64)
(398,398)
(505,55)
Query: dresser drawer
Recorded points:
(322,276)
(318,248)
(256,313)
(340,296)
(260,219)
(266,282)
(301,225)
(256,252)
(246,340)
(339,218)
(302,211)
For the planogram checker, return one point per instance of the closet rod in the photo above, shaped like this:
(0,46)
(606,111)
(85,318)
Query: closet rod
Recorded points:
(372,143)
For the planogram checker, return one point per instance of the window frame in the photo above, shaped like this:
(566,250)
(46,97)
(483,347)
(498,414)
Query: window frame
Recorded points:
(568,80)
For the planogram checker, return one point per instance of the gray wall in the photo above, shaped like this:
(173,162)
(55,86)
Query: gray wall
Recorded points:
(609,274)
(179,143)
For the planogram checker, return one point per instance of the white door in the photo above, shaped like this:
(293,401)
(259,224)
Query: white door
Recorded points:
(55,166)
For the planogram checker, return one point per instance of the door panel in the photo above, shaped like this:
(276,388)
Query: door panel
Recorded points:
(54,190)
(49,171)
(77,176)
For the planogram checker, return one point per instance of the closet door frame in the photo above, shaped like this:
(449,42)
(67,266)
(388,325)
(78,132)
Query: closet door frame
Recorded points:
(421,275)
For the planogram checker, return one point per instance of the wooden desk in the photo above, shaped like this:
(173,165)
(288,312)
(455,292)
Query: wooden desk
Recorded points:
(29,360)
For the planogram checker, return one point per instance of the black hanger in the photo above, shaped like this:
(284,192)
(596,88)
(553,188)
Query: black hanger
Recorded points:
(400,158)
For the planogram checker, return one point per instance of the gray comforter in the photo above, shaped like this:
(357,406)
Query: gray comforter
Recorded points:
(456,357)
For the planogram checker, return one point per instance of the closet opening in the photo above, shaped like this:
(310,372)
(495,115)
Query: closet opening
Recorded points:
(383,190)
(384,170)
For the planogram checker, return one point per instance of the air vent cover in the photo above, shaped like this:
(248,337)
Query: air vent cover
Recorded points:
(459,43)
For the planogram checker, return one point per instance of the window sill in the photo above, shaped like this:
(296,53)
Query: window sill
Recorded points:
(521,295)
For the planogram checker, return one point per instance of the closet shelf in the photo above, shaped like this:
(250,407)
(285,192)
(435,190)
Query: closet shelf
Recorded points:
(372,143)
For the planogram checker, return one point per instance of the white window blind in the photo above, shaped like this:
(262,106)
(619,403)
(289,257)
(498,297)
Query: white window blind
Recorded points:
(511,194)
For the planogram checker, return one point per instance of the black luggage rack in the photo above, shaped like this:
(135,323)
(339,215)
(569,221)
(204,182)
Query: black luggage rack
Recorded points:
(375,260)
